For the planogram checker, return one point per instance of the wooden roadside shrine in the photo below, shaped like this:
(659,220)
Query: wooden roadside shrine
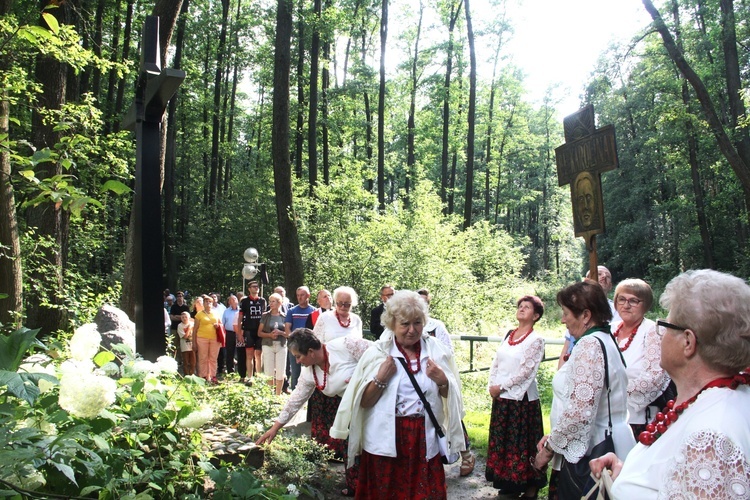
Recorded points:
(154,90)
(587,153)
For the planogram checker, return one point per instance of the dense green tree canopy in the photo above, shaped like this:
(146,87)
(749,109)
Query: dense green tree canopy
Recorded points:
(674,203)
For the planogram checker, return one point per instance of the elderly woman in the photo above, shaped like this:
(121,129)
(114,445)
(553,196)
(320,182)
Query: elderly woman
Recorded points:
(273,339)
(326,370)
(582,406)
(385,418)
(699,446)
(340,321)
(639,343)
(206,322)
(516,420)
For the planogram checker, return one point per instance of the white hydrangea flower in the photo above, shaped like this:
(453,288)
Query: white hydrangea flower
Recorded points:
(197,418)
(292,490)
(77,367)
(85,395)
(142,366)
(166,364)
(85,342)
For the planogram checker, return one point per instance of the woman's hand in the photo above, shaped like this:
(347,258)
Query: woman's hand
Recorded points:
(608,461)
(435,373)
(543,454)
(373,391)
(268,436)
(387,369)
(495,391)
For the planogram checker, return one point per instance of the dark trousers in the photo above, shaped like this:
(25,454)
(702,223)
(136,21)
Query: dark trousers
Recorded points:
(229,352)
(241,362)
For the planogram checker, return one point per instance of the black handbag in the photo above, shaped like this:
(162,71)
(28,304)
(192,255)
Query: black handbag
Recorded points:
(445,456)
(575,479)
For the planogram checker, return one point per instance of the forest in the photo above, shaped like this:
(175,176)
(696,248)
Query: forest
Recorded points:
(355,143)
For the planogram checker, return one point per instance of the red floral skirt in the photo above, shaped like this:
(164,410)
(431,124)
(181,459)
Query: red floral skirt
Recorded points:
(408,476)
(515,429)
(321,410)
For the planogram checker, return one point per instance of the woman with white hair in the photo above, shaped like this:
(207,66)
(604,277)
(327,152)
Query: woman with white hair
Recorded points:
(386,418)
(340,321)
(699,445)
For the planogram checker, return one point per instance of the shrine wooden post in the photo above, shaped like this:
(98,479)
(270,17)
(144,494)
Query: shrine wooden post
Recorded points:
(154,90)
(587,153)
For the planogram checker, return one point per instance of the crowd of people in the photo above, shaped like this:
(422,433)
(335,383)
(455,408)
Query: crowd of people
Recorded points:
(392,408)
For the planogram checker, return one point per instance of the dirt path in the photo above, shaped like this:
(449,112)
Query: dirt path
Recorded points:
(473,486)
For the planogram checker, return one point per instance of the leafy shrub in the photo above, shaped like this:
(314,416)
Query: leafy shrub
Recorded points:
(117,426)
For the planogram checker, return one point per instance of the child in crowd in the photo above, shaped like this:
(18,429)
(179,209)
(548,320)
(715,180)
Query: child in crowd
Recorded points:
(185,331)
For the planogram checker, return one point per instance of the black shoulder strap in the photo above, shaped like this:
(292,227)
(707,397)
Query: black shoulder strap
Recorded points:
(606,381)
(427,406)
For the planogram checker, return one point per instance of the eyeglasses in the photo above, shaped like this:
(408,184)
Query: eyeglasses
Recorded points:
(345,305)
(632,302)
(665,324)
(387,295)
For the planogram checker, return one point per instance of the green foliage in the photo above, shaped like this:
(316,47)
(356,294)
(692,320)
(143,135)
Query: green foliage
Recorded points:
(145,444)
(247,409)
(296,460)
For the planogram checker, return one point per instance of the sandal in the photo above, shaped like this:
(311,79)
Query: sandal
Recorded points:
(347,492)
(467,465)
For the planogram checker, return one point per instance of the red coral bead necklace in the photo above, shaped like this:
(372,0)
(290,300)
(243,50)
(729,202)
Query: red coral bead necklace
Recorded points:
(326,367)
(520,339)
(348,320)
(418,353)
(630,337)
(672,412)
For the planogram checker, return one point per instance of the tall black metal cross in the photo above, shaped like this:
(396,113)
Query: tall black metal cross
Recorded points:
(587,153)
(154,90)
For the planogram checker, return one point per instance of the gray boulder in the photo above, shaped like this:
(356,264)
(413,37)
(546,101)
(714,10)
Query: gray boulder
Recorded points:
(115,327)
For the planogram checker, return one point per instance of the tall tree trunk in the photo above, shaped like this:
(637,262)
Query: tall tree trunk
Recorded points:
(700,208)
(44,303)
(741,135)
(325,84)
(235,79)
(739,165)
(488,142)
(381,106)
(299,132)
(112,75)
(11,277)
(282,167)
(368,109)
(471,115)
(125,56)
(455,10)
(312,119)
(410,125)
(97,48)
(216,110)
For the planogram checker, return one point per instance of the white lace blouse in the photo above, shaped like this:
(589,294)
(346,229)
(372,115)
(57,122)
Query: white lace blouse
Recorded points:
(646,378)
(515,366)
(343,356)
(704,454)
(582,400)
(328,327)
